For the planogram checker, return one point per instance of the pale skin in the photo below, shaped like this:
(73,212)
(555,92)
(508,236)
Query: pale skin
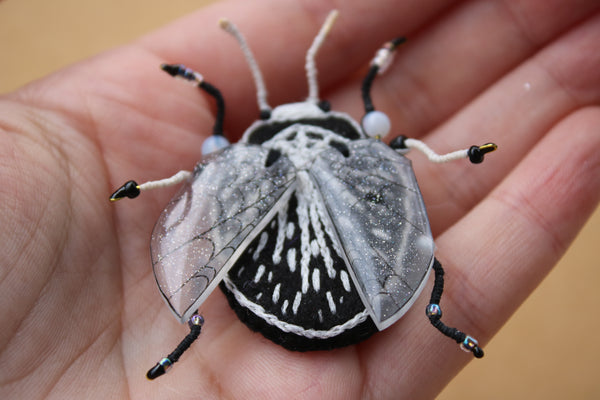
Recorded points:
(81,316)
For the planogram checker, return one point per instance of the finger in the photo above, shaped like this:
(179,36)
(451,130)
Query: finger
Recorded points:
(515,113)
(498,61)
(132,106)
(168,116)
(459,55)
(536,211)
(497,255)
(280,38)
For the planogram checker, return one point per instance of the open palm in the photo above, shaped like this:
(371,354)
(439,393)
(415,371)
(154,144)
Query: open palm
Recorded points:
(81,316)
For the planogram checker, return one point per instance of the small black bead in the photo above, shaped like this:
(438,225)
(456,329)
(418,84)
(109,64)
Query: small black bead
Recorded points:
(265,114)
(475,155)
(478,352)
(171,69)
(398,143)
(129,189)
(398,41)
(325,105)
(155,372)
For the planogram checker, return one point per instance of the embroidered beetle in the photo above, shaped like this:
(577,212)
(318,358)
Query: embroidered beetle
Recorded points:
(314,228)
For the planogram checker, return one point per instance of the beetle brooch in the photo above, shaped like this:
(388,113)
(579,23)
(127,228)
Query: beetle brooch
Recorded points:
(314,228)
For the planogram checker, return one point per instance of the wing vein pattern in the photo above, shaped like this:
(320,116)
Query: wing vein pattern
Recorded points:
(212,219)
(375,206)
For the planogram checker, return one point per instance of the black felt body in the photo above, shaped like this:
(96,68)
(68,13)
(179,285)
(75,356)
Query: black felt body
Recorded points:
(335,124)
(314,311)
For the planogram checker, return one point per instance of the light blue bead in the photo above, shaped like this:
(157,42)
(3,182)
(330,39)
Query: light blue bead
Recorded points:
(214,143)
(376,124)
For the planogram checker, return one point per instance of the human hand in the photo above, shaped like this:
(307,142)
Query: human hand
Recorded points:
(77,286)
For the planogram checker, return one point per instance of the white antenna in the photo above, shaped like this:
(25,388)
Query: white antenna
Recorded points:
(311,69)
(261,91)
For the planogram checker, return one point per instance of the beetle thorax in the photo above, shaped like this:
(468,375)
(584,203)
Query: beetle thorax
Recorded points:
(302,143)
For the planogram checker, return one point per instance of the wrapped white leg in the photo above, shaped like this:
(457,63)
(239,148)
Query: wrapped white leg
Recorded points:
(174,180)
(475,154)
(432,155)
(132,190)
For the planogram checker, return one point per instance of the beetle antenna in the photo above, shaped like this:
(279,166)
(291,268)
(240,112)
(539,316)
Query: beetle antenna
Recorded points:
(261,91)
(434,312)
(180,71)
(382,60)
(217,140)
(311,69)
(161,367)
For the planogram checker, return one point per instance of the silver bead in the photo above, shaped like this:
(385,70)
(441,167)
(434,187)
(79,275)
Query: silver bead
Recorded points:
(196,319)
(166,364)
(433,310)
(469,344)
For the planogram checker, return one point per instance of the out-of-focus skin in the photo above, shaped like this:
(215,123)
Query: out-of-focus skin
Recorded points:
(81,316)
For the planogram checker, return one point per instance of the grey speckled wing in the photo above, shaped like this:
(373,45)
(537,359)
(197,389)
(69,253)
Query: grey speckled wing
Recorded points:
(376,209)
(213,218)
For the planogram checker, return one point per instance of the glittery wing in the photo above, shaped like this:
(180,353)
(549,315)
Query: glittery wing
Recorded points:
(213,218)
(376,209)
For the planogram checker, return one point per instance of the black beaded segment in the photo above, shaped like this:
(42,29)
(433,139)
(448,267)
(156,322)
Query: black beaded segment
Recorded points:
(163,365)
(366,88)
(179,70)
(372,73)
(220,116)
(435,317)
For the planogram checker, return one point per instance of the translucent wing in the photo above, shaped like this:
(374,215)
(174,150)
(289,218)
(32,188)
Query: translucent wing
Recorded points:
(376,209)
(209,223)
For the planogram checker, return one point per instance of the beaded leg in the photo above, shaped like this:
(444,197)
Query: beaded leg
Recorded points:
(434,312)
(195,323)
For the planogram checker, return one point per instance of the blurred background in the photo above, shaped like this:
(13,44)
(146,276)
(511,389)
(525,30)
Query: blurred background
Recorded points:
(547,350)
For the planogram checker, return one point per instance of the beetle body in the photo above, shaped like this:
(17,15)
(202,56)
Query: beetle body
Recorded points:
(314,228)
(315,233)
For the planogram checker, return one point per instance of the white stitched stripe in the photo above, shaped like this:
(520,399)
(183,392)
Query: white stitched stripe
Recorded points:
(316,279)
(296,303)
(284,307)
(261,245)
(332,307)
(345,280)
(281,231)
(291,328)
(291,259)
(320,241)
(290,230)
(259,273)
(275,297)
(303,223)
